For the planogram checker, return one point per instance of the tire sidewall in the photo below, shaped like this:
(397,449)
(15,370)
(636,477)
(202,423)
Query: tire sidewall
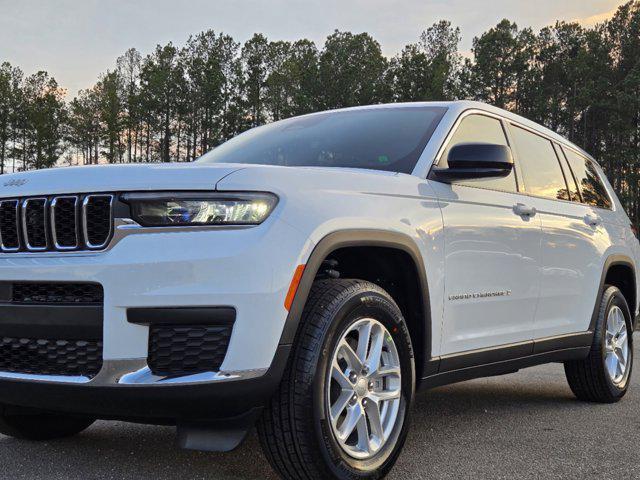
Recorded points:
(366,304)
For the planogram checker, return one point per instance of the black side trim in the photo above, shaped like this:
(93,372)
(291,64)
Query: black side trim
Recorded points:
(182,316)
(507,358)
(431,367)
(484,356)
(356,238)
(503,367)
(561,342)
(60,322)
(610,262)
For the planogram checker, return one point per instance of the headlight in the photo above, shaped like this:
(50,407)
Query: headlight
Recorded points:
(200,208)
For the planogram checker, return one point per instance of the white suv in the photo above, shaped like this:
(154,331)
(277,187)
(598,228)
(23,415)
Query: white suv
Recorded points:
(307,275)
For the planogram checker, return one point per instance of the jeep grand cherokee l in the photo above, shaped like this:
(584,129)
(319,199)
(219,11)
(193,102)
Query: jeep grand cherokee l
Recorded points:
(307,276)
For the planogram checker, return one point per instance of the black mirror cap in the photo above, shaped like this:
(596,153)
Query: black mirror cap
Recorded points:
(476,160)
(480,155)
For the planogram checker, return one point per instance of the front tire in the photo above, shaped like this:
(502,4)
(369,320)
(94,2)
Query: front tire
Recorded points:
(40,426)
(603,376)
(342,409)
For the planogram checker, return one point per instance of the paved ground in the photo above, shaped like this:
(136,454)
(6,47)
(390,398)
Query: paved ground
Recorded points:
(525,426)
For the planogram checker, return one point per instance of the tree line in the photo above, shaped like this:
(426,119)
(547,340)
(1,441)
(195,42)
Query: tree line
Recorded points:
(176,103)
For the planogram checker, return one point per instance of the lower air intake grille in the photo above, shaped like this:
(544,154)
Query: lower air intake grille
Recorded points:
(57,293)
(50,357)
(185,350)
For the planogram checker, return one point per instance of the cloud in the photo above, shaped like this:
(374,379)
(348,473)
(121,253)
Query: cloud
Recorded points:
(598,18)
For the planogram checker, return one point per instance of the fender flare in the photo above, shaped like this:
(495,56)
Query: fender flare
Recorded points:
(613,260)
(357,238)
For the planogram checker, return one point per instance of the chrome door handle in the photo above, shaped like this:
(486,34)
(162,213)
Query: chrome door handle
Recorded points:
(592,220)
(524,210)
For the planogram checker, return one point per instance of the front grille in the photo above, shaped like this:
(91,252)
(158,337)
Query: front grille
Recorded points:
(41,356)
(57,293)
(68,222)
(184,350)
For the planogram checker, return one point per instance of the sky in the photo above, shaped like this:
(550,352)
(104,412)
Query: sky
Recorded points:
(77,40)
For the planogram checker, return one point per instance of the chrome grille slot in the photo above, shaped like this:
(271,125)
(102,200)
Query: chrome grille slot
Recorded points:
(9,226)
(64,222)
(34,223)
(96,212)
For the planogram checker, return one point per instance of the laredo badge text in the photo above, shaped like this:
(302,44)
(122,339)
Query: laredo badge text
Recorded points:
(469,296)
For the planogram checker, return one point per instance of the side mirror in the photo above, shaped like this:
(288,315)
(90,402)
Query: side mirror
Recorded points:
(476,160)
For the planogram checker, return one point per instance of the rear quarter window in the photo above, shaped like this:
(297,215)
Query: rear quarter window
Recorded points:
(593,191)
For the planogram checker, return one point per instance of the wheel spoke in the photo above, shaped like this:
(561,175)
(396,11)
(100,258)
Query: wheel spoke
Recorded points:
(375,352)
(387,394)
(364,336)
(354,414)
(621,323)
(339,376)
(622,360)
(612,364)
(388,371)
(373,414)
(340,404)
(620,368)
(364,442)
(352,359)
(622,339)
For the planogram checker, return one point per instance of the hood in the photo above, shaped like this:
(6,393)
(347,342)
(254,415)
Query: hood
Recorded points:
(114,178)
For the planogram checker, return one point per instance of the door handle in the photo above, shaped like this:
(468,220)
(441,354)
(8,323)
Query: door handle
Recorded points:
(524,210)
(592,220)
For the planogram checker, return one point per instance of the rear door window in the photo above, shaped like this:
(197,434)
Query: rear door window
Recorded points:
(540,167)
(593,191)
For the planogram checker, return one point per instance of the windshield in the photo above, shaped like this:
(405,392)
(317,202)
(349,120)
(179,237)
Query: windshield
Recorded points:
(390,138)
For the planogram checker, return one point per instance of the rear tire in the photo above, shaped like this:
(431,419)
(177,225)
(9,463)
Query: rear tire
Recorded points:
(40,426)
(299,430)
(603,376)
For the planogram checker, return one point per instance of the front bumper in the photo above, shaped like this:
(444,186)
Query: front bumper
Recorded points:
(110,396)
(248,269)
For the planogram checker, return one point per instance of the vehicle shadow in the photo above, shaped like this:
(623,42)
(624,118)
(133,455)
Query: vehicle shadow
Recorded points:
(129,451)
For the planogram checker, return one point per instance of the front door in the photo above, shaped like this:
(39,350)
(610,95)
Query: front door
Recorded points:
(492,253)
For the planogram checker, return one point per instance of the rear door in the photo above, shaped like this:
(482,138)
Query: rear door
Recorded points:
(492,252)
(573,237)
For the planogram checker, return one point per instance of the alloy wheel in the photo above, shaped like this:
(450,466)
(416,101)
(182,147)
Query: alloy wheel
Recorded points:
(364,388)
(617,351)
